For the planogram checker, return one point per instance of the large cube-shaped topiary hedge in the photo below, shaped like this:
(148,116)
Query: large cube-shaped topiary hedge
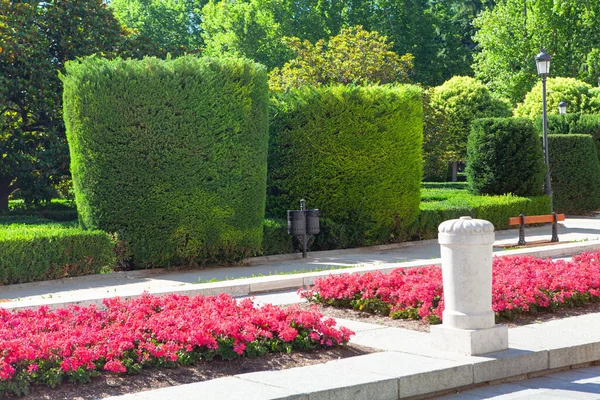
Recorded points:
(575,172)
(505,156)
(353,152)
(171,154)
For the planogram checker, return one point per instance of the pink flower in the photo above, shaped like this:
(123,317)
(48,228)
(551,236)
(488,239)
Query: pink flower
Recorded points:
(519,283)
(115,366)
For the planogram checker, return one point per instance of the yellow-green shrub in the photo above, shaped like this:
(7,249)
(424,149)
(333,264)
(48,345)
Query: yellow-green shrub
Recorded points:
(353,152)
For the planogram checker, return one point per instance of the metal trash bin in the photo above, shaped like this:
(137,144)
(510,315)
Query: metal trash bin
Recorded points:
(303,223)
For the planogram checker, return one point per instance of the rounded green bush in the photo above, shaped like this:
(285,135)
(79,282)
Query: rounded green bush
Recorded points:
(575,172)
(353,152)
(505,156)
(579,95)
(170,154)
(462,99)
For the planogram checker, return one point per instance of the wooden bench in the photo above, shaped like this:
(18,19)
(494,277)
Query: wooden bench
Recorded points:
(522,220)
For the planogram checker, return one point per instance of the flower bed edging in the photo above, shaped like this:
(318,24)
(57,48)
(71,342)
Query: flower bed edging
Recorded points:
(75,343)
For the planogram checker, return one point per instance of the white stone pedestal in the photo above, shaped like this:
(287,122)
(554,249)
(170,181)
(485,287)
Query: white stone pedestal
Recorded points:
(469,342)
(469,327)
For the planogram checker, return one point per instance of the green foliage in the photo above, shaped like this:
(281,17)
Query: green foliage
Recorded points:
(37,38)
(170,154)
(56,210)
(332,236)
(454,23)
(575,172)
(415,27)
(354,56)
(574,92)
(168,23)
(559,124)
(585,124)
(440,201)
(353,152)
(435,140)
(41,251)
(445,204)
(254,28)
(511,34)
(461,100)
(275,237)
(442,185)
(438,34)
(505,156)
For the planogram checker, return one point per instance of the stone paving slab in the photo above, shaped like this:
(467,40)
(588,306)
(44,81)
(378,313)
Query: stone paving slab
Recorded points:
(417,375)
(590,374)
(357,326)
(584,389)
(572,384)
(575,340)
(234,387)
(334,380)
(508,363)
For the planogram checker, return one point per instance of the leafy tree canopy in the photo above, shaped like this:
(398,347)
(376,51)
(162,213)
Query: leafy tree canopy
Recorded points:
(168,23)
(353,56)
(513,32)
(254,28)
(579,95)
(38,37)
(463,99)
(436,33)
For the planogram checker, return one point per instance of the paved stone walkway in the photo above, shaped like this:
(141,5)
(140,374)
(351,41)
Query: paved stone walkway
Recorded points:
(574,232)
(581,383)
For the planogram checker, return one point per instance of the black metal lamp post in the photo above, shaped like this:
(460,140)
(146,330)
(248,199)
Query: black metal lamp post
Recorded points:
(562,107)
(542,61)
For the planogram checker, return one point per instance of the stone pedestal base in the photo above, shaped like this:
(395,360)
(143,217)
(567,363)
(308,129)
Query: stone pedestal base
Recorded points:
(469,342)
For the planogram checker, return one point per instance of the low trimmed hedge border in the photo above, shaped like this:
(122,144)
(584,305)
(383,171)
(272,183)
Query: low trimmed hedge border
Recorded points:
(440,202)
(30,253)
(55,210)
(496,209)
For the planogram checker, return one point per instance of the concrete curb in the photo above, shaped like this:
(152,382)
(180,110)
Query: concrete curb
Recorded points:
(249,286)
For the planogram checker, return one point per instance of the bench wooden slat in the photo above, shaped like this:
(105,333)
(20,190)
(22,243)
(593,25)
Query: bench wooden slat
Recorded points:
(536,219)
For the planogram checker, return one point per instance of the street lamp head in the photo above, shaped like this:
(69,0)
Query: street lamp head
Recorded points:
(562,107)
(542,62)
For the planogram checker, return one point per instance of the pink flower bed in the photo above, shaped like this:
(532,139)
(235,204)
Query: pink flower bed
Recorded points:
(520,285)
(44,347)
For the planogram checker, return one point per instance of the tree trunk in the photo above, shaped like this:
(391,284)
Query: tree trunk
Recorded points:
(454,171)
(5,190)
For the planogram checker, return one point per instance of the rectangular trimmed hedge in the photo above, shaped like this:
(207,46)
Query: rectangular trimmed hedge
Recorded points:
(170,154)
(575,123)
(30,253)
(437,206)
(504,156)
(441,205)
(575,172)
(55,210)
(353,152)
